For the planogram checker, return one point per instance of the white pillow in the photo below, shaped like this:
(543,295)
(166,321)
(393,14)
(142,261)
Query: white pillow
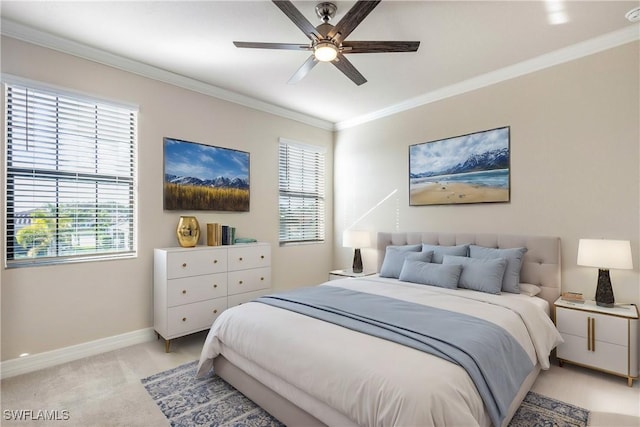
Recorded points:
(529,289)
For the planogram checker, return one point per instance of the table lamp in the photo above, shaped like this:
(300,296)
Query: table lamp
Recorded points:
(605,254)
(356,239)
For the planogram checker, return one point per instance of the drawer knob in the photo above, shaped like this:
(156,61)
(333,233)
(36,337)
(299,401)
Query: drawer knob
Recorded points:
(184,264)
(215,311)
(184,291)
(215,286)
(184,319)
(240,282)
(261,256)
(262,278)
(215,261)
(240,259)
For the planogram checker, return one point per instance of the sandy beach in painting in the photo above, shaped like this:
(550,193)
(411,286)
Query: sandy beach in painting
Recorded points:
(449,193)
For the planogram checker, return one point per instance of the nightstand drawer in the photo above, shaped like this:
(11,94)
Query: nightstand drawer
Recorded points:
(610,329)
(602,338)
(604,356)
(196,288)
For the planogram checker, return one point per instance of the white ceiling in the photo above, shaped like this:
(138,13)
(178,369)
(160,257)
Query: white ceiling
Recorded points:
(464,45)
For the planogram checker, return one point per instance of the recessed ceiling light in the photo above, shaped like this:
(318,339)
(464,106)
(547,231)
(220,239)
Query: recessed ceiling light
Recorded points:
(633,15)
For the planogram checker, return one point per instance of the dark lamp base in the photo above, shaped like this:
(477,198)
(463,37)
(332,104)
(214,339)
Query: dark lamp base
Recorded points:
(357,261)
(604,291)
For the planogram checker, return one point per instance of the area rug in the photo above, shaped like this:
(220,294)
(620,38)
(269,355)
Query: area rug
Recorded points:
(187,402)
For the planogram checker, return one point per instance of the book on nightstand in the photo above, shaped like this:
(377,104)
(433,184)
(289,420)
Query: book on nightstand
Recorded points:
(572,296)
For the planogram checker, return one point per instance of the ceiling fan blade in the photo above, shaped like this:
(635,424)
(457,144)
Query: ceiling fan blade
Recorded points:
(348,69)
(298,18)
(379,47)
(287,46)
(353,17)
(303,70)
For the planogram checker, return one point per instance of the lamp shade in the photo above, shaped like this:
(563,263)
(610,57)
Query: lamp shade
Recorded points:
(605,254)
(356,239)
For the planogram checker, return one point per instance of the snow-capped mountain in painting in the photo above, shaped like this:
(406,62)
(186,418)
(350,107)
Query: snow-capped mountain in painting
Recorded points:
(217,182)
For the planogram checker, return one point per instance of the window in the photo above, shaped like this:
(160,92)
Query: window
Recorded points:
(70,177)
(301,193)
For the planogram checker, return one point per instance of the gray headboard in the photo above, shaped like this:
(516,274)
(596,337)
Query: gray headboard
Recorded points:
(541,265)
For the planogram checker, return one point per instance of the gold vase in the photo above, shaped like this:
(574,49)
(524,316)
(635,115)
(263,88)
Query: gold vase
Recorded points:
(188,231)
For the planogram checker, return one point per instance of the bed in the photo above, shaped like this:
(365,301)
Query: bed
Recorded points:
(310,372)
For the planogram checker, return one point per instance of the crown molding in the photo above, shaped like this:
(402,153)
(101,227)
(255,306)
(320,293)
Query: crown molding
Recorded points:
(31,35)
(570,53)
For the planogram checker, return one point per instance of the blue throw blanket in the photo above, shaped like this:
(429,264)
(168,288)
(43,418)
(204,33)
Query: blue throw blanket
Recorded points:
(494,360)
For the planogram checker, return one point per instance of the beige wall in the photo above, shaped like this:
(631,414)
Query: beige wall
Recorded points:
(574,163)
(45,308)
(574,173)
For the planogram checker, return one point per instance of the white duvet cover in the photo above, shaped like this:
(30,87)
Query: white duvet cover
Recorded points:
(367,380)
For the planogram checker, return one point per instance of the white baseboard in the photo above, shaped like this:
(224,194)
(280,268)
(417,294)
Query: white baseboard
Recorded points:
(23,365)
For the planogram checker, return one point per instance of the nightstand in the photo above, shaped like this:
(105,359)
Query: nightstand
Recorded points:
(341,274)
(601,338)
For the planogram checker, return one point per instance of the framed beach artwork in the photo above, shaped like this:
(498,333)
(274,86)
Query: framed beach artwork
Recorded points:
(205,177)
(473,168)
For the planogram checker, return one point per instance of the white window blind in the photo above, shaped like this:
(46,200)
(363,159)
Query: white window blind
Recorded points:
(301,183)
(70,177)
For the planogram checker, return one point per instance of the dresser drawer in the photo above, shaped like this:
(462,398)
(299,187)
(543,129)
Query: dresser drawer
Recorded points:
(196,288)
(249,280)
(250,256)
(194,317)
(195,263)
(238,299)
(610,329)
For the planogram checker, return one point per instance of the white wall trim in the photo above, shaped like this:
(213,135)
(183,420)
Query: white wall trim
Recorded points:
(23,365)
(31,35)
(570,53)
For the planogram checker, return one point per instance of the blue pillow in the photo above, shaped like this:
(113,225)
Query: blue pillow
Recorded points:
(484,275)
(426,273)
(394,258)
(440,251)
(511,279)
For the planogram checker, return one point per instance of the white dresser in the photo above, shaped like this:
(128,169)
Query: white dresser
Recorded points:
(192,286)
(600,338)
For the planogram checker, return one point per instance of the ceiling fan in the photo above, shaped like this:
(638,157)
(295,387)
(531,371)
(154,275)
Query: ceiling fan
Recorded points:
(328,42)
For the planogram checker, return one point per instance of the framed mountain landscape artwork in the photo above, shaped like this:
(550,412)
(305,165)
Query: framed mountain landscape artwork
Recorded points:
(473,168)
(205,177)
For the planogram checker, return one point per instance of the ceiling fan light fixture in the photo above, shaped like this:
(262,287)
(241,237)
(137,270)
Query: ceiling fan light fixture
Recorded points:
(325,51)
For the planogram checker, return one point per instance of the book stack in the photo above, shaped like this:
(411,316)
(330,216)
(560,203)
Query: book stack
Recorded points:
(572,296)
(218,234)
(228,235)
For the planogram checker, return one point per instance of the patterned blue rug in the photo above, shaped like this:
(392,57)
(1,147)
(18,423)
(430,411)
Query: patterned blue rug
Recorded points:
(187,402)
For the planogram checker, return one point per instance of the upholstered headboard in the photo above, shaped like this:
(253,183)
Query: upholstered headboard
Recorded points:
(541,264)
